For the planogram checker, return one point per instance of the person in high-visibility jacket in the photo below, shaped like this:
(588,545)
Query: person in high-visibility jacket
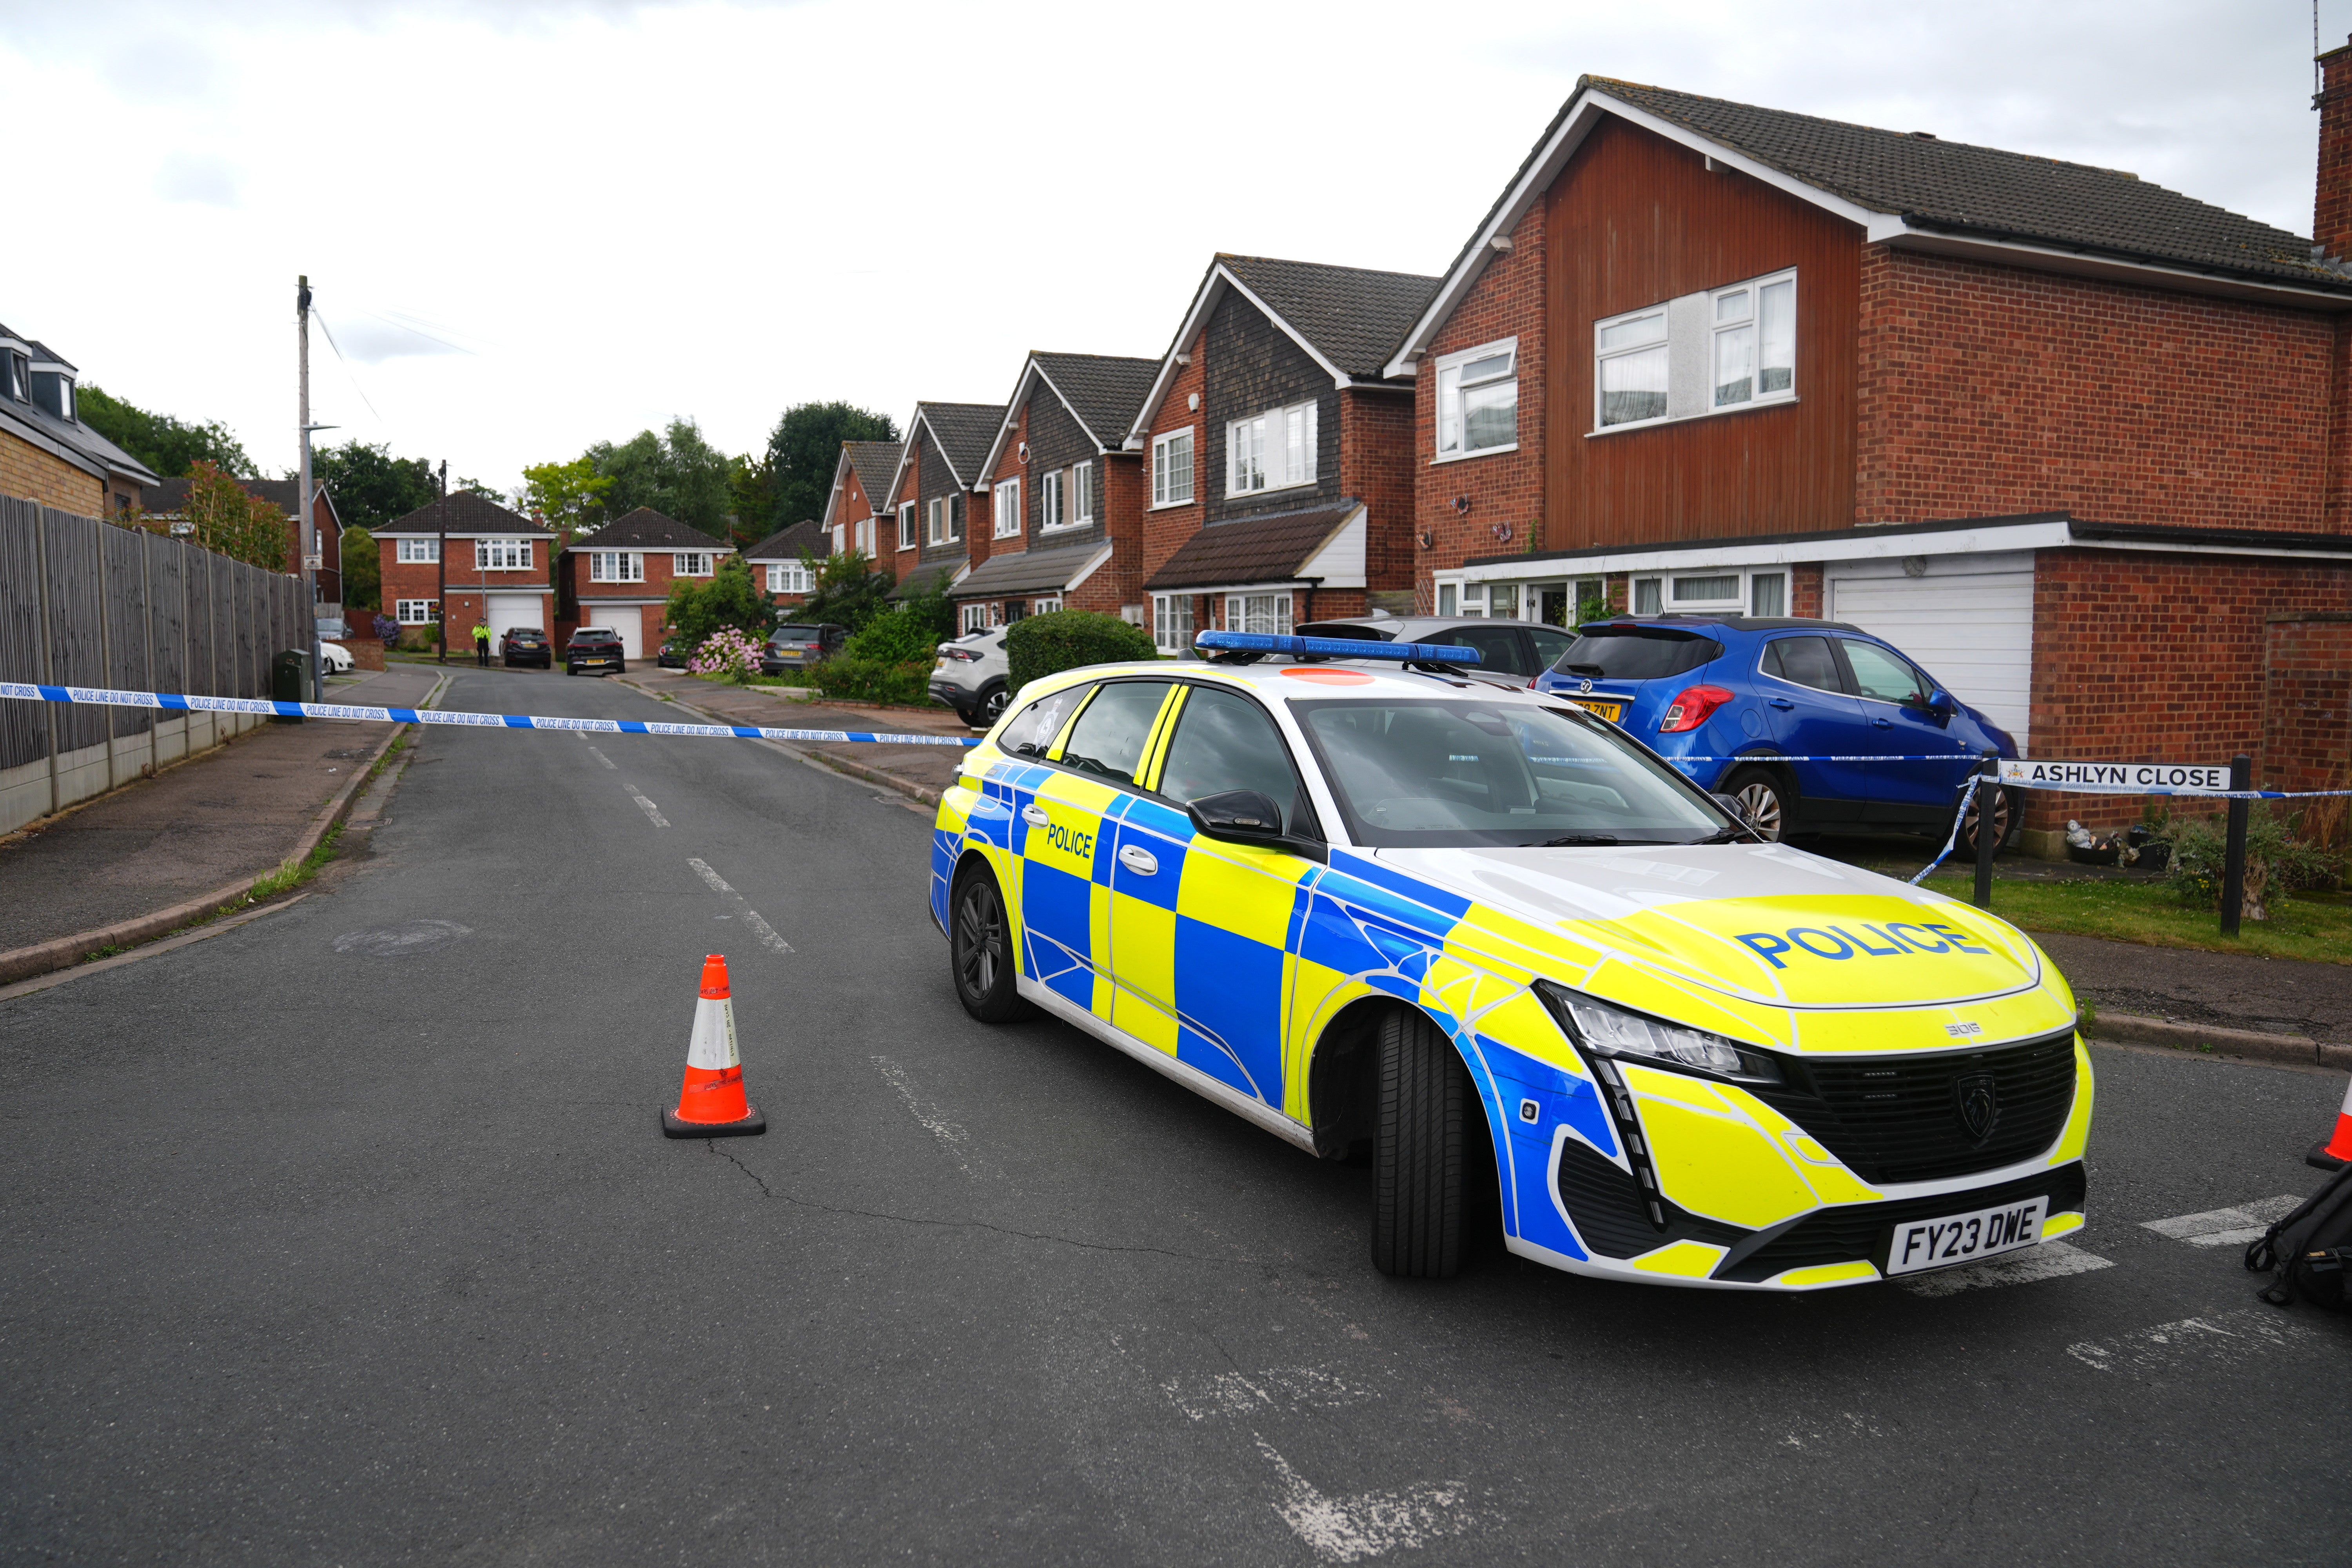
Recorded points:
(482,644)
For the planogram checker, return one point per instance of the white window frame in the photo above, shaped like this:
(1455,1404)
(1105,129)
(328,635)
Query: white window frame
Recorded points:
(975,618)
(415,612)
(1045,606)
(616,566)
(413,551)
(1082,494)
(1281,445)
(1751,321)
(1449,598)
(1053,501)
(907,525)
(789,577)
(1004,508)
(939,521)
(502,555)
(1449,400)
(1661,343)
(1275,619)
(1172,622)
(1166,470)
(693,563)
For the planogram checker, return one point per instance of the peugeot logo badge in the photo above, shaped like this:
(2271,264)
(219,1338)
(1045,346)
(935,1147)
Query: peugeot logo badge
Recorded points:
(1979,1104)
(1586,687)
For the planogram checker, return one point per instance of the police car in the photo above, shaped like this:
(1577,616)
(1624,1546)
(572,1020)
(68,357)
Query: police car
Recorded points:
(1498,946)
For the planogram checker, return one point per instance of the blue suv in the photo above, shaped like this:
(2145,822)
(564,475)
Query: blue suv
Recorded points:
(1752,689)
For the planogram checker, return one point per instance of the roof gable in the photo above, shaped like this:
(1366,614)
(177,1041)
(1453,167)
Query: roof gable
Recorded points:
(1102,392)
(645,529)
(807,537)
(471,513)
(961,431)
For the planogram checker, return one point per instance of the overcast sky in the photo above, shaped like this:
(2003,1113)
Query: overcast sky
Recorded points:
(537,224)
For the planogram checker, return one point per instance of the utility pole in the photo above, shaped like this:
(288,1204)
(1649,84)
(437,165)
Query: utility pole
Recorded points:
(441,565)
(306,527)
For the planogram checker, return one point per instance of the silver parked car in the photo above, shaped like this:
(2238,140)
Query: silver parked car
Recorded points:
(970,675)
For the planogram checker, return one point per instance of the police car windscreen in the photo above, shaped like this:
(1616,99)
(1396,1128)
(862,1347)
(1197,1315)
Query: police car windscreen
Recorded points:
(1438,772)
(1637,653)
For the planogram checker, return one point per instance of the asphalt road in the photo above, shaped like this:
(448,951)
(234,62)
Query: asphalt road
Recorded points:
(343,1237)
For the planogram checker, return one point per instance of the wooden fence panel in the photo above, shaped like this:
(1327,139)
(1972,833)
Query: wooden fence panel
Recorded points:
(124,554)
(195,572)
(77,652)
(24,726)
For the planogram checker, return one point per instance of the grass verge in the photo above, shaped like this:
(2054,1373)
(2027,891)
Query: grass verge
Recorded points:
(2152,916)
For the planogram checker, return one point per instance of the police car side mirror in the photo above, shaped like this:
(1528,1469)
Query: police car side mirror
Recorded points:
(1249,817)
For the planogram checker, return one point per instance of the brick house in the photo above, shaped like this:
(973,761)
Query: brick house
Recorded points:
(166,501)
(781,560)
(1063,498)
(497,569)
(620,576)
(1275,448)
(2070,438)
(857,505)
(925,519)
(46,453)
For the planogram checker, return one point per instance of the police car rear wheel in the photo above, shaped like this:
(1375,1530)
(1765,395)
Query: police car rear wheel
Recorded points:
(1418,1151)
(979,947)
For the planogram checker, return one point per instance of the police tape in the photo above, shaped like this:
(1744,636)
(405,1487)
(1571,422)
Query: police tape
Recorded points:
(2064,785)
(166,702)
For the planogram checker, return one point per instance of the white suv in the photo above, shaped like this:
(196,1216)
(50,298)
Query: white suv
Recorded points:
(969,677)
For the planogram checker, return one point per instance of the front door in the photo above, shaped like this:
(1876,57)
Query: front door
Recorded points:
(1893,698)
(1812,715)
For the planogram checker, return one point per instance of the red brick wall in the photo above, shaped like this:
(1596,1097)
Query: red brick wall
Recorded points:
(1008,465)
(1126,491)
(1164,531)
(1502,487)
(2307,702)
(2139,656)
(1376,466)
(2331,223)
(1988,391)
(1805,590)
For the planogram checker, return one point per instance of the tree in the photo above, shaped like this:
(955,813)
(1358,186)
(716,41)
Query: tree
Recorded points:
(166,445)
(804,450)
(567,497)
(232,523)
(848,591)
(752,496)
(679,475)
(371,486)
(362,571)
(731,599)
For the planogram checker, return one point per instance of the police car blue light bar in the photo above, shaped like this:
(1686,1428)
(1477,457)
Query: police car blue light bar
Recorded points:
(1334,647)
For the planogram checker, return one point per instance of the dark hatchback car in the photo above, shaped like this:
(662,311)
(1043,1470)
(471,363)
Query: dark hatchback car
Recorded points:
(799,644)
(1519,651)
(526,645)
(596,649)
(674,654)
(1735,692)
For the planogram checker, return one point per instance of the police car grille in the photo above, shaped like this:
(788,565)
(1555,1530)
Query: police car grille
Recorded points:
(1897,1119)
(1610,1212)
(1850,1232)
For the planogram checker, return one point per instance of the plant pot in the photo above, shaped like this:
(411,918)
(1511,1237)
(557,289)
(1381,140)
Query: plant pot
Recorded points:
(2153,856)
(2091,855)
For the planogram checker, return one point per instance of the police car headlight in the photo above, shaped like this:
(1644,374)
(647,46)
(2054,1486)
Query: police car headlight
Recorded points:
(1613,1032)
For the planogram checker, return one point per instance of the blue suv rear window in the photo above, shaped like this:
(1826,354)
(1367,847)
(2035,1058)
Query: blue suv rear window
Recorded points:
(1637,653)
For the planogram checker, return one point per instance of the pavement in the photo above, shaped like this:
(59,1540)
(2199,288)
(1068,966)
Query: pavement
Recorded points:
(922,771)
(217,819)
(348,1235)
(2227,990)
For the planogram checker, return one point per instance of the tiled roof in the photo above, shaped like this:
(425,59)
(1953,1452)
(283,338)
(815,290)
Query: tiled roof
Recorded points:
(929,574)
(1267,549)
(1028,572)
(469,513)
(965,431)
(1105,391)
(808,537)
(1353,317)
(645,529)
(1939,185)
(876,462)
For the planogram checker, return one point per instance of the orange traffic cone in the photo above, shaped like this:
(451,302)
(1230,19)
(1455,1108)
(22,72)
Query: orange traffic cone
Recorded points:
(710,1104)
(2337,1153)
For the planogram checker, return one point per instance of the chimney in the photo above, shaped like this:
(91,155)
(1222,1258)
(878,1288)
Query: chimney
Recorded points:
(2331,218)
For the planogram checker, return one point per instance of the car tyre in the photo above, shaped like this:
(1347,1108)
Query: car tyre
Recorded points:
(1767,798)
(979,949)
(1420,1128)
(2008,816)
(993,700)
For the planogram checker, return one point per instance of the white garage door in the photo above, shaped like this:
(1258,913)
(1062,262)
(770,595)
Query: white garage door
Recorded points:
(509,610)
(630,623)
(1968,621)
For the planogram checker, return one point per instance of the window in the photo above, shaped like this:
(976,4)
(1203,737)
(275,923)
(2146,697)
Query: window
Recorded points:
(1768,594)
(1648,596)
(415,612)
(1275,449)
(975,618)
(428,549)
(1225,742)
(1171,467)
(907,525)
(1108,739)
(1033,729)
(501,554)
(1498,649)
(1082,493)
(1630,356)
(865,527)
(1447,596)
(1045,606)
(1503,601)
(1883,677)
(1722,589)
(939,521)
(1050,510)
(1802,661)
(790,577)
(12,376)
(615,566)
(1478,400)
(1172,622)
(1007,509)
(1258,613)
(1756,342)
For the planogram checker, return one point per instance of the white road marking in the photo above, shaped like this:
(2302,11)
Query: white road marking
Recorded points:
(717,884)
(951,1137)
(1282,1387)
(648,808)
(599,756)
(2225,1227)
(2223,1337)
(2051,1260)
(1341,1530)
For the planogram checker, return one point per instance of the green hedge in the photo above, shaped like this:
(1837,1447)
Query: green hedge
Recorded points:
(871,680)
(1070,640)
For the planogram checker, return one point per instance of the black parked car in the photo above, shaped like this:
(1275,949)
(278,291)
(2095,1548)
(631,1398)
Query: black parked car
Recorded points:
(674,654)
(594,649)
(526,645)
(800,645)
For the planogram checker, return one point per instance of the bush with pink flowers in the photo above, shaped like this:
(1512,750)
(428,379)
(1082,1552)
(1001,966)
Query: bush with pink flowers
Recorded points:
(728,655)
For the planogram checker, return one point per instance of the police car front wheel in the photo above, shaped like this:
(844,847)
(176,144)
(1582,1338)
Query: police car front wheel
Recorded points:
(979,949)
(1419,1150)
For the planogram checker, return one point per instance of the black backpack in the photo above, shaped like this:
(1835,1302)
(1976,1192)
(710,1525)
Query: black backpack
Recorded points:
(2310,1251)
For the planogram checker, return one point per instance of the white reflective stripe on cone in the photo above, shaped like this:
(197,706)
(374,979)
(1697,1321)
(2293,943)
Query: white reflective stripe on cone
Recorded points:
(712,1049)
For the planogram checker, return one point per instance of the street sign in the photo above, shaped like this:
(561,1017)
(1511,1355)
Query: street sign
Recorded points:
(2114,778)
